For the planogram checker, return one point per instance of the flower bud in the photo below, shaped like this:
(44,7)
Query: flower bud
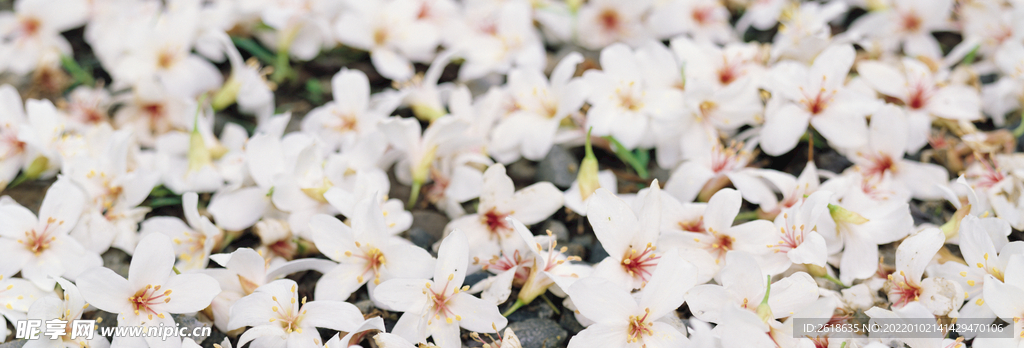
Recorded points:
(587,175)
(840,215)
(763,310)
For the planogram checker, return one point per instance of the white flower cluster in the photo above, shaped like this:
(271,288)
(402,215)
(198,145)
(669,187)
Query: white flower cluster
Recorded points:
(907,91)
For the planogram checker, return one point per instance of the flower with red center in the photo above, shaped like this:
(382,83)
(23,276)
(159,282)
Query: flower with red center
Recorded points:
(279,317)
(366,253)
(799,241)
(27,241)
(488,230)
(438,307)
(816,95)
(152,291)
(625,321)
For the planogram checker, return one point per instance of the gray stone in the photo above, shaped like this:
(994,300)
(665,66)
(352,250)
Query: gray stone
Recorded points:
(14,344)
(521,171)
(427,228)
(117,260)
(365,306)
(569,323)
(597,252)
(194,323)
(472,279)
(558,229)
(558,167)
(539,333)
(538,309)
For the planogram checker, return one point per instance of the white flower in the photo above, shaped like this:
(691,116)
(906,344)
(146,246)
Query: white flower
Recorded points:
(987,251)
(884,155)
(1006,299)
(806,31)
(922,97)
(908,24)
(244,271)
(702,175)
(799,241)
(530,131)
(703,20)
(352,114)
(419,150)
(17,295)
(623,104)
(69,308)
(574,197)
(629,236)
(939,295)
(153,111)
(815,95)
(602,23)
(303,27)
(744,285)
(151,293)
(392,34)
(113,188)
(488,230)
(375,323)
(499,36)
(912,313)
(367,253)
(164,57)
(859,231)
(13,154)
(711,236)
(193,241)
(40,247)
(279,318)
(33,30)
(621,320)
(438,307)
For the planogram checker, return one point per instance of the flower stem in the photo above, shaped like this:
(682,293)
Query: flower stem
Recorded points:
(551,304)
(834,280)
(746,216)
(414,194)
(515,306)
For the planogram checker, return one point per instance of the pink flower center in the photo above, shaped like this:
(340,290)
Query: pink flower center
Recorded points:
(642,263)
(609,19)
(639,326)
(903,291)
(817,103)
(727,159)
(144,300)
(693,225)
(791,238)
(495,222)
(39,241)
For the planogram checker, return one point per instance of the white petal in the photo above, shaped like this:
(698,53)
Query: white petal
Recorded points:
(154,258)
(190,292)
(613,221)
(601,335)
(334,315)
(602,301)
(477,315)
(667,288)
(106,290)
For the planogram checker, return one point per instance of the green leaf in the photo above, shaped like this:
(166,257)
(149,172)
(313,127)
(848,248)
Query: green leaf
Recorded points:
(255,49)
(628,157)
(80,75)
